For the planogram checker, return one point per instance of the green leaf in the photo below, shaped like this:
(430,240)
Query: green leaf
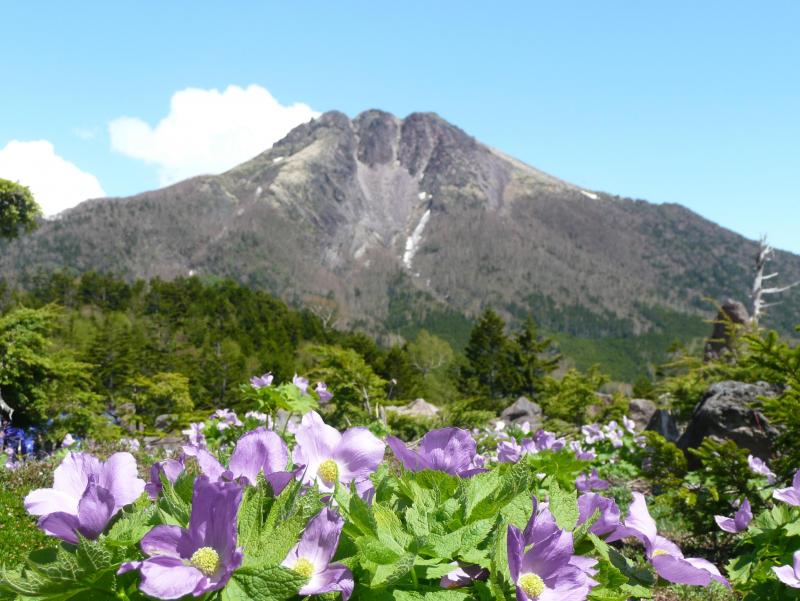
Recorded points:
(264,583)
(463,539)
(564,506)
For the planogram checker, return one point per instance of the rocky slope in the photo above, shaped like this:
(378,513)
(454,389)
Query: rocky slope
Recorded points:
(395,222)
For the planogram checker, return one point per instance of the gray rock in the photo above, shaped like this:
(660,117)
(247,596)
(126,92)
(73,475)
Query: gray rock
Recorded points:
(727,411)
(730,313)
(641,411)
(419,408)
(521,411)
(665,423)
(166,421)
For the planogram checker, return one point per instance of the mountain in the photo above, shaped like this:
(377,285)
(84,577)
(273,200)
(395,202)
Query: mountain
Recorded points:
(397,223)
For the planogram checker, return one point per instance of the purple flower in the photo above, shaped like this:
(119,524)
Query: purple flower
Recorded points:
(740,520)
(68,440)
(86,494)
(322,392)
(196,560)
(226,419)
(509,451)
(170,468)
(547,441)
(580,454)
(463,576)
(548,570)
(311,557)
(790,495)
(614,433)
(330,456)
(592,433)
(629,424)
(789,575)
(665,555)
(261,381)
(256,451)
(586,483)
(759,467)
(195,434)
(301,383)
(450,450)
(608,519)
(260,417)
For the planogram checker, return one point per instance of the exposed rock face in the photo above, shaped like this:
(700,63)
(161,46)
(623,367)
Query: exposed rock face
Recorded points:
(419,408)
(665,424)
(725,412)
(730,313)
(641,411)
(523,410)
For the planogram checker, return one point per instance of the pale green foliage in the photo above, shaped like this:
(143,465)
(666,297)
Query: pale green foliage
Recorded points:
(161,393)
(18,209)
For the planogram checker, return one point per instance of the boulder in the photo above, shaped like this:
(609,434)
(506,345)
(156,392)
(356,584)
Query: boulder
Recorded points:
(166,421)
(730,313)
(419,408)
(664,422)
(641,411)
(523,410)
(726,411)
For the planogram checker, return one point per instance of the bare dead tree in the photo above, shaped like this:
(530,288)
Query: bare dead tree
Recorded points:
(765,254)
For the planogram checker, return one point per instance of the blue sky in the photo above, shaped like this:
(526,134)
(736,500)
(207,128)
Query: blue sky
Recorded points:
(687,102)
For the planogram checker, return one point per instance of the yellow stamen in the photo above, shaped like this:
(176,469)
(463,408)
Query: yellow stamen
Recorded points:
(658,552)
(531,584)
(328,471)
(206,560)
(304,567)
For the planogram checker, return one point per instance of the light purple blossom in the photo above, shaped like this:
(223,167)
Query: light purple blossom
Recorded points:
(311,557)
(609,514)
(301,383)
(450,450)
(171,468)
(586,483)
(592,433)
(629,424)
(789,575)
(759,467)
(86,494)
(331,456)
(68,440)
(740,520)
(195,434)
(614,434)
(256,451)
(790,495)
(263,381)
(580,454)
(132,444)
(226,418)
(323,393)
(663,554)
(547,441)
(196,560)
(548,570)
(462,576)
(260,417)
(509,451)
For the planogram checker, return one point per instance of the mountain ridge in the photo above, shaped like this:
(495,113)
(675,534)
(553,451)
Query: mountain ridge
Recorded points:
(392,222)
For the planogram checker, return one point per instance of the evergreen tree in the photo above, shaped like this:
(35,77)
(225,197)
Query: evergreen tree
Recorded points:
(487,371)
(18,209)
(531,359)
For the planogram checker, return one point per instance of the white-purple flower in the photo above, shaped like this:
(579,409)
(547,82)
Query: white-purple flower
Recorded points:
(311,557)
(580,453)
(196,560)
(740,520)
(789,575)
(301,383)
(450,450)
(790,495)
(546,441)
(592,433)
(259,450)
(591,482)
(68,440)
(86,494)
(331,456)
(263,381)
(226,419)
(323,392)
(759,467)
(195,434)
(170,468)
(608,513)
(509,451)
(664,555)
(629,424)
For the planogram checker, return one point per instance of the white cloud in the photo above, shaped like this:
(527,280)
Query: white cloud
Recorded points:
(208,131)
(56,183)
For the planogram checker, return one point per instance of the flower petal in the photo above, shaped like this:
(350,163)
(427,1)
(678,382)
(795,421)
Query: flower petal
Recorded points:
(169,541)
(786,575)
(638,523)
(95,510)
(168,578)
(319,540)
(120,477)
(72,474)
(515,547)
(449,450)
(358,454)
(62,525)
(258,449)
(680,571)
(411,460)
(49,500)
(315,443)
(334,578)
(215,506)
